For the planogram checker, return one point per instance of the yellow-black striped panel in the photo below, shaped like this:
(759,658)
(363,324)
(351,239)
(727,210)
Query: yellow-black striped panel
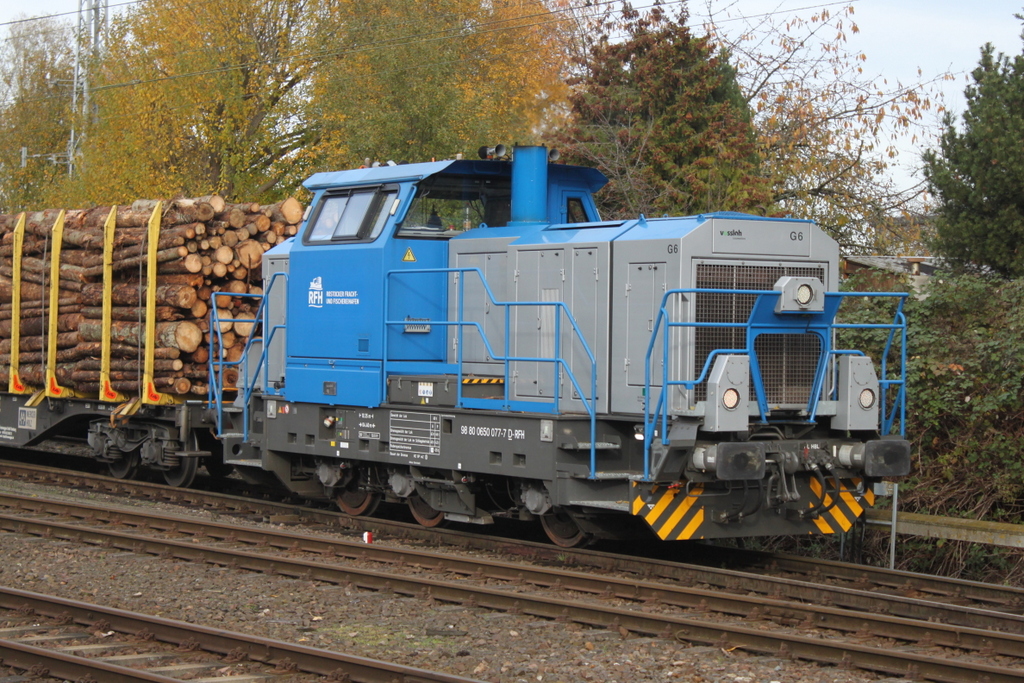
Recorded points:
(673,513)
(841,513)
(483,380)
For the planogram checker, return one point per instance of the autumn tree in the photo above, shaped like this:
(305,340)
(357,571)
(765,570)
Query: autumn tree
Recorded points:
(432,79)
(247,99)
(828,134)
(201,97)
(36,62)
(977,174)
(658,110)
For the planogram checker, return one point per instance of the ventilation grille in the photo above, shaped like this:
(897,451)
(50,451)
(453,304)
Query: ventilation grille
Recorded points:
(787,361)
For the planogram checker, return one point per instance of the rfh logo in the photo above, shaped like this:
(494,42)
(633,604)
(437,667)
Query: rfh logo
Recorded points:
(316,293)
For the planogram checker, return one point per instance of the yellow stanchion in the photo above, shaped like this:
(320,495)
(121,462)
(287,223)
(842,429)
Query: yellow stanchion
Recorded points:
(150,396)
(107,393)
(53,388)
(14,383)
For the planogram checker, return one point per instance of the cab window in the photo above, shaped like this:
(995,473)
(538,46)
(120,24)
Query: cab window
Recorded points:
(358,214)
(575,212)
(446,205)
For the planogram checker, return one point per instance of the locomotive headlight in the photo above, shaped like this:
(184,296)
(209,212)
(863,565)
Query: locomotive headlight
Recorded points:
(804,294)
(867,398)
(730,398)
(799,295)
(638,432)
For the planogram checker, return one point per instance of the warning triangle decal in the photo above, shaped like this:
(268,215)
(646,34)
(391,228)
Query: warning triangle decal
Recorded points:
(409,256)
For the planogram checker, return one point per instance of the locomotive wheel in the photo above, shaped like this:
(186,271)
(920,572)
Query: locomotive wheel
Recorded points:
(357,502)
(183,474)
(423,513)
(125,467)
(562,529)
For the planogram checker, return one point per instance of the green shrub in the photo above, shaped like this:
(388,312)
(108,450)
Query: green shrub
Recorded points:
(966,406)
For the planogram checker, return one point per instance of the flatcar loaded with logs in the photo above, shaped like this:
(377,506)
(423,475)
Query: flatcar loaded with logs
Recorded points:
(467,338)
(86,336)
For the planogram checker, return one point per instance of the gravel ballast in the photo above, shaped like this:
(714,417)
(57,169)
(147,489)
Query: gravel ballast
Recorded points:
(473,642)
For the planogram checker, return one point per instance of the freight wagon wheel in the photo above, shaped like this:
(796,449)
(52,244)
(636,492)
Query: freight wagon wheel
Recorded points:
(357,502)
(423,513)
(125,467)
(183,474)
(562,529)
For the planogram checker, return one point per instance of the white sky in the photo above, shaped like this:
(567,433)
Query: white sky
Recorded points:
(898,36)
(901,36)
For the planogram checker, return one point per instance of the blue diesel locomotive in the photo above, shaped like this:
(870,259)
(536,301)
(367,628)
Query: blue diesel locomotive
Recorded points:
(469,338)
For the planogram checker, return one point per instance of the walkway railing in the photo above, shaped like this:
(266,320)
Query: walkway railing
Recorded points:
(249,377)
(461,324)
(764,320)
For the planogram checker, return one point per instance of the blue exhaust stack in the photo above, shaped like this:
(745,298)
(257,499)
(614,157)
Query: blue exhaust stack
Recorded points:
(530,185)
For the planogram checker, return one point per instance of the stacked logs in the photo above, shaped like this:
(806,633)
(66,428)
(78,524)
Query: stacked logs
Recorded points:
(205,246)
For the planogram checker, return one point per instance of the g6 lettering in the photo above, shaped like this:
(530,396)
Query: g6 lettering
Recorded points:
(796,236)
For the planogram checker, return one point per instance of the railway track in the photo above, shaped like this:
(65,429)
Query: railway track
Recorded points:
(53,637)
(854,586)
(284,552)
(892,635)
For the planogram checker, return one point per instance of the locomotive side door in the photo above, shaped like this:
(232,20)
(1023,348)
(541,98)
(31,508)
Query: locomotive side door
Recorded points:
(540,277)
(645,287)
(416,298)
(445,206)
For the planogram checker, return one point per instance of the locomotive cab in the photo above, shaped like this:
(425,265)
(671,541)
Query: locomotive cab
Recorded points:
(385,220)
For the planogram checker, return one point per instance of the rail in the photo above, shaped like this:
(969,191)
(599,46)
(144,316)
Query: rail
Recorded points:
(764,320)
(247,380)
(559,363)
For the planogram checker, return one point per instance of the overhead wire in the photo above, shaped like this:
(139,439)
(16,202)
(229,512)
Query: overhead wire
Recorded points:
(44,17)
(402,41)
(57,15)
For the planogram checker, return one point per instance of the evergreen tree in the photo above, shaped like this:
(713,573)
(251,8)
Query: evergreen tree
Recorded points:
(661,114)
(978,173)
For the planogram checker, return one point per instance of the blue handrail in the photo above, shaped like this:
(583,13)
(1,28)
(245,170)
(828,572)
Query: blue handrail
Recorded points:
(763,319)
(216,365)
(559,363)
